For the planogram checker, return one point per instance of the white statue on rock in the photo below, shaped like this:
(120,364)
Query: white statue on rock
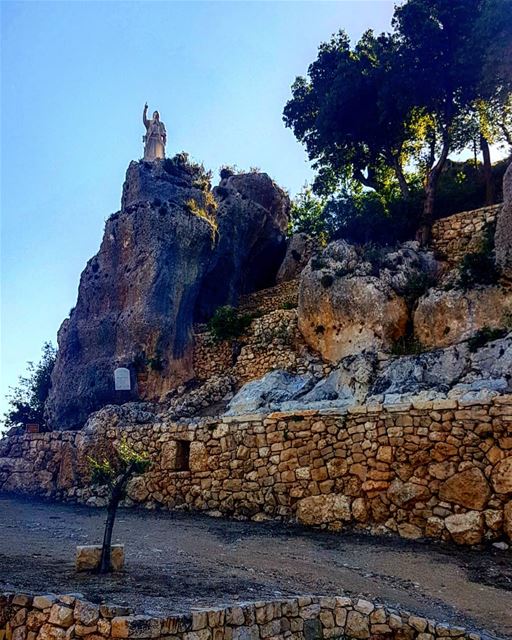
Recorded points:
(155,138)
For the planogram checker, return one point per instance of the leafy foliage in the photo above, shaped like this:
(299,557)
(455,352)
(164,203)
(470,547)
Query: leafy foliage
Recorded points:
(227,323)
(480,267)
(370,113)
(105,471)
(27,400)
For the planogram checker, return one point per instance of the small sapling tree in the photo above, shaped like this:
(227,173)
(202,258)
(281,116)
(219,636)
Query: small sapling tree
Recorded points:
(116,476)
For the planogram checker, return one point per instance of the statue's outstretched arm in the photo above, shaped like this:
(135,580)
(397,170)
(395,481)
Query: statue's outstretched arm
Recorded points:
(144,116)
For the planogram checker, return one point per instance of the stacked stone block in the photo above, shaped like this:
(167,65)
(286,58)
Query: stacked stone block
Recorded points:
(462,233)
(52,617)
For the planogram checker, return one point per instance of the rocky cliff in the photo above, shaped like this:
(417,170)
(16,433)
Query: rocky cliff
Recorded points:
(172,254)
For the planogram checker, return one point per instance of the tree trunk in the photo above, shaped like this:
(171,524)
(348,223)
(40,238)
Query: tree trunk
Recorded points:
(400,176)
(424,232)
(486,155)
(118,490)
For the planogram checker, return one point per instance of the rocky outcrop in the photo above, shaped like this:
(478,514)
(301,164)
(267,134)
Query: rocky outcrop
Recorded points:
(299,249)
(444,318)
(272,389)
(351,299)
(503,236)
(252,218)
(454,372)
(171,250)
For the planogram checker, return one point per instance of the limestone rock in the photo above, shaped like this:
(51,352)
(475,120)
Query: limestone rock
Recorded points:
(161,266)
(503,236)
(501,477)
(466,528)
(443,318)
(469,488)
(299,249)
(437,370)
(350,380)
(88,557)
(404,493)
(323,509)
(252,216)
(274,387)
(342,316)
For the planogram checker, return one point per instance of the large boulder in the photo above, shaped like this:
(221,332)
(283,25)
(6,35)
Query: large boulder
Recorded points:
(353,299)
(503,236)
(269,392)
(173,248)
(435,370)
(443,318)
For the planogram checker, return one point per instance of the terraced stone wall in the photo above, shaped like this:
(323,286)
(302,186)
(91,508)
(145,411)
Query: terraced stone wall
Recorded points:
(52,617)
(462,233)
(434,469)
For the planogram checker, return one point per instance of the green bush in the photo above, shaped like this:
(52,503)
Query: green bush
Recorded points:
(477,268)
(27,400)
(418,284)
(408,345)
(227,323)
(289,305)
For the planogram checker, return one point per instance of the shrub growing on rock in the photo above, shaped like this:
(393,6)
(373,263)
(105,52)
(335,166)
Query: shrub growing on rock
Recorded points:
(227,323)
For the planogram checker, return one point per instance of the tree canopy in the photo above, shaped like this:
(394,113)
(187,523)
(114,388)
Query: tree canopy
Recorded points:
(27,399)
(395,104)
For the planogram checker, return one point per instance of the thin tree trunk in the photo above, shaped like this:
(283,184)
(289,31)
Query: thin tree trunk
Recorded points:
(486,155)
(400,176)
(427,217)
(118,490)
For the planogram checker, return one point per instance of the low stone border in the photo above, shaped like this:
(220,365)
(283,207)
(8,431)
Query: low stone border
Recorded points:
(53,617)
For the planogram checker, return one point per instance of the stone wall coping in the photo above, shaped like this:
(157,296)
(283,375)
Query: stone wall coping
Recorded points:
(399,407)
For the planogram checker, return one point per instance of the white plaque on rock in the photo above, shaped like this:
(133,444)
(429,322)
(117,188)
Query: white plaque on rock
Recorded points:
(122,380)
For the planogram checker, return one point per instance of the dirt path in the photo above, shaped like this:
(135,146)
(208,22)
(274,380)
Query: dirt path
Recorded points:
(178,560)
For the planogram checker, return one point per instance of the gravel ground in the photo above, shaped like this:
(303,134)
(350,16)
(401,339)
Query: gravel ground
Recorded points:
(178,560)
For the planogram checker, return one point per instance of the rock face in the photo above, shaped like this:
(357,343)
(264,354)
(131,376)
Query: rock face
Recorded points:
(252,216)
(139,296)
(503,236)
(300,247)
(443,318)
(353,299)
(275,387)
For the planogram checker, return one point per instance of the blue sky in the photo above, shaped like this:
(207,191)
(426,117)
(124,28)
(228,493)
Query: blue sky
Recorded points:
(75,76)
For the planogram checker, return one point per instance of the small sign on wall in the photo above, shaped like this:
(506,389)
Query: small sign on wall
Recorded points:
(122,381)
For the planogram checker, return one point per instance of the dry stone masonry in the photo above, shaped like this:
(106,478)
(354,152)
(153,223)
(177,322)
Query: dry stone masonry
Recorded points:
(64,617)
(462,233)
(430,469)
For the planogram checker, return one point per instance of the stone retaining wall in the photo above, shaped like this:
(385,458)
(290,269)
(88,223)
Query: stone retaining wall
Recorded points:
(462,233)
(436,469)
(273,341)
(51,617)
(281,296)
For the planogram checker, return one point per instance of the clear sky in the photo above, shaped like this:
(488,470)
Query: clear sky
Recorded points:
(75,76)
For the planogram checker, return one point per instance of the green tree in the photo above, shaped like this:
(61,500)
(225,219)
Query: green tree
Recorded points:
(368,112)
(116,475)
(27,399)
(307,214)
(446,48)
(351,114)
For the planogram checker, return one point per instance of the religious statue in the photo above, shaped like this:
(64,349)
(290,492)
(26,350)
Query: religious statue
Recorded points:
(155,138)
